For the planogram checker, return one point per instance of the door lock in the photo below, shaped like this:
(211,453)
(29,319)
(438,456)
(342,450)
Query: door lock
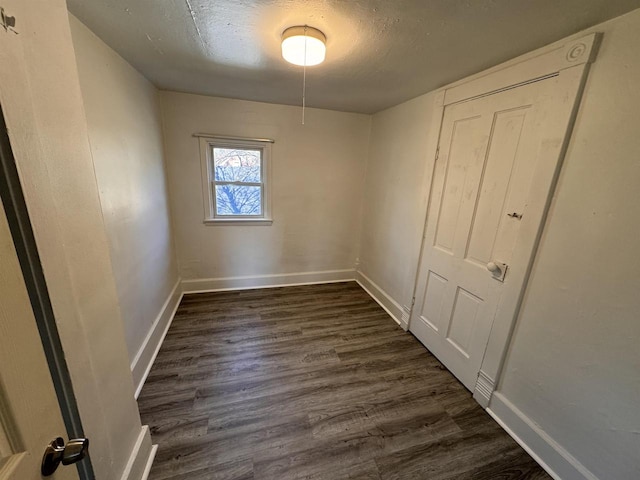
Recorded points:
(57,452)
(498,270)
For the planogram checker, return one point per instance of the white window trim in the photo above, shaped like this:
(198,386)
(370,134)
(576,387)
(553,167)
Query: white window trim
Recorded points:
(207,143)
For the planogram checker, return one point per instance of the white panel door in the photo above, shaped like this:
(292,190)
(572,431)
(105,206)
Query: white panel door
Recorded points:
(29,414)
(482,178)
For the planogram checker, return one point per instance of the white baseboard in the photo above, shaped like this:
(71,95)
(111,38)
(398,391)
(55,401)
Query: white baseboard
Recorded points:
(558,463)
(202,285)
(147,468)
(393,308)
(148,352)
(141,457)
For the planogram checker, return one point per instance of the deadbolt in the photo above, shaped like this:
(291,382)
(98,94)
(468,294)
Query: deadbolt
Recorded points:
(57,452)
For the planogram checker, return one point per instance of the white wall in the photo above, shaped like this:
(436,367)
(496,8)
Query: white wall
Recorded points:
(395,197)
(574,364)
(125,133)
(42,102)
(317,176)
(573,369)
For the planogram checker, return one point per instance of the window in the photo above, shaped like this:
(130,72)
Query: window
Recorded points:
(235,175)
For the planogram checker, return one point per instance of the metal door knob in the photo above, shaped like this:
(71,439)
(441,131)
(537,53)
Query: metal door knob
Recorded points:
(57,452)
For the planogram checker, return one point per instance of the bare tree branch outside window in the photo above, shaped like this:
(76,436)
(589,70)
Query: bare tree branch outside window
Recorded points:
(238,181)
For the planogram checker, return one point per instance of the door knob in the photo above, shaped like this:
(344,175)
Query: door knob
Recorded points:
(498,269)
(57,452)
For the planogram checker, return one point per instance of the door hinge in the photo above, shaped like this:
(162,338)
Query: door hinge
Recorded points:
(413,302)
(437,152)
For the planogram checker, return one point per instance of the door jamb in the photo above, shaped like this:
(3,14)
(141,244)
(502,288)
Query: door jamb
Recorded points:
(569,61)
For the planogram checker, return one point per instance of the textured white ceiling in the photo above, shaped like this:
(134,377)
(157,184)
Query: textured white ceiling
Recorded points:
(379,52)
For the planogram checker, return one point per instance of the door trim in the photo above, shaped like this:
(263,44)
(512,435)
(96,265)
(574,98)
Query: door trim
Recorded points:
(27,253)
(568,65)
(538,65)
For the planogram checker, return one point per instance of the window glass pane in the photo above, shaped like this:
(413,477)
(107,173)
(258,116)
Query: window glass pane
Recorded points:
(236,165)
(238,200)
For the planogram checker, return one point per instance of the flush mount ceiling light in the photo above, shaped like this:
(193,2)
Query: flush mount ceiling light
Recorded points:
(303,45)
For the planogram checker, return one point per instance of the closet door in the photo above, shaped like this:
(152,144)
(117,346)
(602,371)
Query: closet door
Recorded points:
(486,160)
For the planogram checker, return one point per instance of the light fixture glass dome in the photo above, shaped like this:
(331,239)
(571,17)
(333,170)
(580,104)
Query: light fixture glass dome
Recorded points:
(304,46)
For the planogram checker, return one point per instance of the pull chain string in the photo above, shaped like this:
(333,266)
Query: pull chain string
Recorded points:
(304,75)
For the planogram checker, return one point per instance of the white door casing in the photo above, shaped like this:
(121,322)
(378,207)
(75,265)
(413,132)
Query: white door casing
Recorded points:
(501,141)
(30,417)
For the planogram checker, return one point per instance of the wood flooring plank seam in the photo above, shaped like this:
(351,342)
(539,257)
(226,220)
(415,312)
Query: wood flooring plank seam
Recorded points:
(312,382)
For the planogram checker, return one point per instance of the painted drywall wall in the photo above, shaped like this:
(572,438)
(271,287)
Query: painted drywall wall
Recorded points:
(574,363)
(125,133)
(42,102)
(317,177)
(395,197)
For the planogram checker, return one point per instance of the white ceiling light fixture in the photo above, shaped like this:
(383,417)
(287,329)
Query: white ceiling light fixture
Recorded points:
(304,46)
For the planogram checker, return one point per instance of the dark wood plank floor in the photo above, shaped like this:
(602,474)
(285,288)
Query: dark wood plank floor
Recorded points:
(312,382)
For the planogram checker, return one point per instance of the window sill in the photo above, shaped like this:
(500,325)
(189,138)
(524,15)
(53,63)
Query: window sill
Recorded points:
(238,221)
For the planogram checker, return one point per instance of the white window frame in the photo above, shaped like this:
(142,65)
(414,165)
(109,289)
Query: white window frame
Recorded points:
(207,144)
